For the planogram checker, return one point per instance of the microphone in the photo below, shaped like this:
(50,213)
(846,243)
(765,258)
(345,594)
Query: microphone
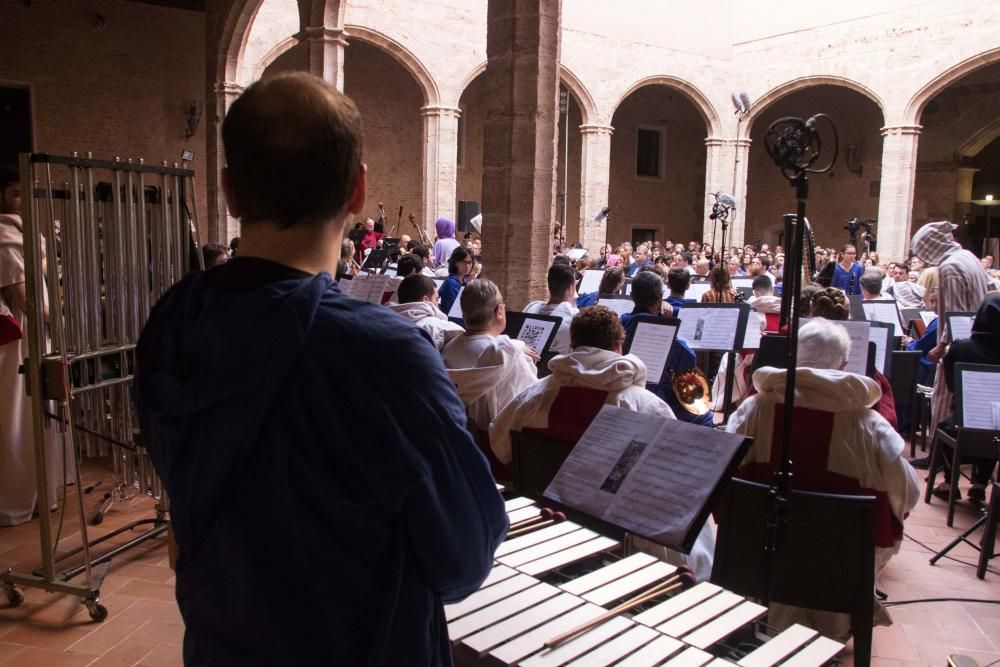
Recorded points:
(602,214)
(745,100)
(724,199)
(400,210)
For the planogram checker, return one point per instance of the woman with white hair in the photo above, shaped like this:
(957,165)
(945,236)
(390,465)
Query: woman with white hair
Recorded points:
(840,445)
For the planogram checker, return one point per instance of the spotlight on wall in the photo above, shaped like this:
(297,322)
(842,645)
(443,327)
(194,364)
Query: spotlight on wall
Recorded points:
(854,160)
(192,116)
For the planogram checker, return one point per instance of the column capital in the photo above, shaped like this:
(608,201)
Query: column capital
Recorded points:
(320,33)
(228,88)
(727,141)
(912,130)
(596,129)
(440,110)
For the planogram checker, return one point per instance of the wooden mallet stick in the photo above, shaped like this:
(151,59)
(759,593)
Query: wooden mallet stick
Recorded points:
(557,517)
(546,513)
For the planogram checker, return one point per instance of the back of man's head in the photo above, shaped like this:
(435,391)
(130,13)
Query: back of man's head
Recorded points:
(687,257)
(421,251)
(679,280)
(647,289)
(479,301)
(415,288)
(293,147)
(871,282)
(409,264)
(8,175)
(561,279)
(598,327)
(214,254)
(823,344)
(762,285)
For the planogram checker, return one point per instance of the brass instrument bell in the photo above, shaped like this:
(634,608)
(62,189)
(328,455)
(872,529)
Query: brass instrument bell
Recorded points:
(691,389)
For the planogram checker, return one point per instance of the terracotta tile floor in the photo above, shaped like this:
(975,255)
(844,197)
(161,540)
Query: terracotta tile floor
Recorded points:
(145,628)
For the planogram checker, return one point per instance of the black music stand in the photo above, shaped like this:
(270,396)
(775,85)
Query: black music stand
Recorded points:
(953,320)
(671,327)
(695,325)
(515,330)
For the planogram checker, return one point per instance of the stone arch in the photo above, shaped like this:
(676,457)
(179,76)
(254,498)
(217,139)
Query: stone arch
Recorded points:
(980,139)
(232,38)
(566,78)
(708,113)
(915,107)
(789,87)
(409,61)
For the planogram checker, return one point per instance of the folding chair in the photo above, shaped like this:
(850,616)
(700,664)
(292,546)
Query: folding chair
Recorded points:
(903,378)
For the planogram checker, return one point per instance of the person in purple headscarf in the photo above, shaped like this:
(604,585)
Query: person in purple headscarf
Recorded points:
(446,241)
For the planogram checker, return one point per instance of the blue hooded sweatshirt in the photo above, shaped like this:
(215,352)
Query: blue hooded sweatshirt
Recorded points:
(319,519)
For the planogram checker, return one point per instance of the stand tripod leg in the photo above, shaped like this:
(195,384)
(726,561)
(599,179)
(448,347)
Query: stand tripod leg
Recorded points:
(964,537)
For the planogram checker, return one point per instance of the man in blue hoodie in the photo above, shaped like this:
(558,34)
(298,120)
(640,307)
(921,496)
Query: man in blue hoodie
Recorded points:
(379,502)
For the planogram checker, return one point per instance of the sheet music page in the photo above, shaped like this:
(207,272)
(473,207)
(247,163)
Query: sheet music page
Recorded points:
(456,307)
(646,474)
(876,311)
(619,306)
(877,335)
(755,329)
(651,343)
(709,328)
(534,333)
(961,326)
(857,362)
(591,281)
(981,400)
(695,290)
(377,286)
(628,288)
(743,281)
(927,316)
(576,253)
(346,286)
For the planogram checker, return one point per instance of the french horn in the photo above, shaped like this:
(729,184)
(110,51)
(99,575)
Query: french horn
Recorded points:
(691,389)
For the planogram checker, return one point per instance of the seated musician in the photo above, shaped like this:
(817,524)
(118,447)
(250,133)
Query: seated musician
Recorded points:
(647,294)
(871,285)
(907,294)
(487,367)
(385,494)
(562,303)
(418,300)
(845,447)
(562,405)
(611,283)
(678,280)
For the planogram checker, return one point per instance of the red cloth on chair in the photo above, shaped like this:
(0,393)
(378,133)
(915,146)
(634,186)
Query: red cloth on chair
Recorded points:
(812,431)
(571,413)
(772,322)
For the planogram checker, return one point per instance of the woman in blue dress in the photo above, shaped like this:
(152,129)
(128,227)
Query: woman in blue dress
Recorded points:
(847,273)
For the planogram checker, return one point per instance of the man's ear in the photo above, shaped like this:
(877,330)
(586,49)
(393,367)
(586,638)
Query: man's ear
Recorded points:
(227,189)
(356,201)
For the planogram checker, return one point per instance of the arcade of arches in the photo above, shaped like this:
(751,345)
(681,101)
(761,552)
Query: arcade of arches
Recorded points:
(651,129)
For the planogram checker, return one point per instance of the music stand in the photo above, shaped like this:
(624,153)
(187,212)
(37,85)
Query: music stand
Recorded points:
(959,325)
(880,335)
(549,327)
(654,359)
(617,303)
(376,259)
(710,327)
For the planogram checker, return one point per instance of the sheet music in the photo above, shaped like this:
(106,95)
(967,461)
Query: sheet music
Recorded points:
(755,329)
(456,307)
(695,290)
(646,474)
(709,328)
(534,333)
(346,286)
(877,335)
(576,253)
(981,400)
(857,361)
(743,281)
(628,288)
(927,316)
(651,343)
(591,281)
(619,306)
(883,311)
(961,326)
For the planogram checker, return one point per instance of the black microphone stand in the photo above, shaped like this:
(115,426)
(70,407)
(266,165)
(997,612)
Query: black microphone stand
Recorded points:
(794,145)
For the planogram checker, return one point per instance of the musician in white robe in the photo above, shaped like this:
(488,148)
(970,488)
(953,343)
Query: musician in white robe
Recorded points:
(848,440)
(606,377)
(418,298)
(487,367)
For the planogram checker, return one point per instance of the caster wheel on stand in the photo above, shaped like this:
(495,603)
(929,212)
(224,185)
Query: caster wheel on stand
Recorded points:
(14,595)
(98,612)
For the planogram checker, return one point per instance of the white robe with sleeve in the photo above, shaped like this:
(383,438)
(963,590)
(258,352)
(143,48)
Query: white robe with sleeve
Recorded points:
(430,319)
(565,311)
(624,378)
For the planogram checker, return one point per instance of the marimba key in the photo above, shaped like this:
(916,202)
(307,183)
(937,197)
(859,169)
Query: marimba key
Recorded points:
(503,609)
(630,584)
(523,514)
(677,604)
(815,654)
(498,574)
(571,555)
(689,657)
(532,642)
(518,503)
(578,646)
(484,597)
(492,637)
(779,647)
(725,625)
(535,537)
(608,573)
(617,648)
(682,624)
(548,547)
(653,653)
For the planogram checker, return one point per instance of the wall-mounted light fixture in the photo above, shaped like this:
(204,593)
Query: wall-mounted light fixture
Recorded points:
(853,160)
(192,116)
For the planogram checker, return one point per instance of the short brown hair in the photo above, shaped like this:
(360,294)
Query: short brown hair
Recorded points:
(414,288)
(598,327)
(293,148)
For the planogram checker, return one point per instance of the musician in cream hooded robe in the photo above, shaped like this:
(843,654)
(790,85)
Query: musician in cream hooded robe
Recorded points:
(419,305)
(863,446)
(624,378)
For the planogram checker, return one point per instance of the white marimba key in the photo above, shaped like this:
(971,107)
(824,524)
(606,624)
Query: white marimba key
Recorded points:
(616,649)
(532,642)
(484,597)
(689,657)
(725,625)
(535,537)
(574,648)
(778,647)
(493,636)
(630,584)
(523,514)
(495,613)
(815,654)
(567,556)
(684,623)
(518,503)
(608,573)
(498,574)
(653,653)
(677,604)
(547,548)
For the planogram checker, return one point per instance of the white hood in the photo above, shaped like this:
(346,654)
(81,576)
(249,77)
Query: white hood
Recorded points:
(418,310)
(766,304)
(819,388)
(600,369)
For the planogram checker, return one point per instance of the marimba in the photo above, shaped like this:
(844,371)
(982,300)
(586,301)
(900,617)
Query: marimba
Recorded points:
(526,601)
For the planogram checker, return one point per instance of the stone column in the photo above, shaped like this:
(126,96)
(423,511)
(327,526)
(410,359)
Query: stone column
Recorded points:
(221,227)
(440,164)
(964,177)
(895,206)
(325,53)
(595,176)
(726,171)
(522,73)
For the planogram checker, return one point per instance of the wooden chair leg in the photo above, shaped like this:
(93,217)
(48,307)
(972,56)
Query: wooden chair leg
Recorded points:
(861,629)
(956,474)
(986,548)
(932,469)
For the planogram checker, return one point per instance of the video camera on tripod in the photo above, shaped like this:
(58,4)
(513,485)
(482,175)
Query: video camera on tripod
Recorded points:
(854,226)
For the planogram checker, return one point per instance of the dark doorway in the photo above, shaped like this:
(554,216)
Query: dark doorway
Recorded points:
(643,236)
(15,124)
